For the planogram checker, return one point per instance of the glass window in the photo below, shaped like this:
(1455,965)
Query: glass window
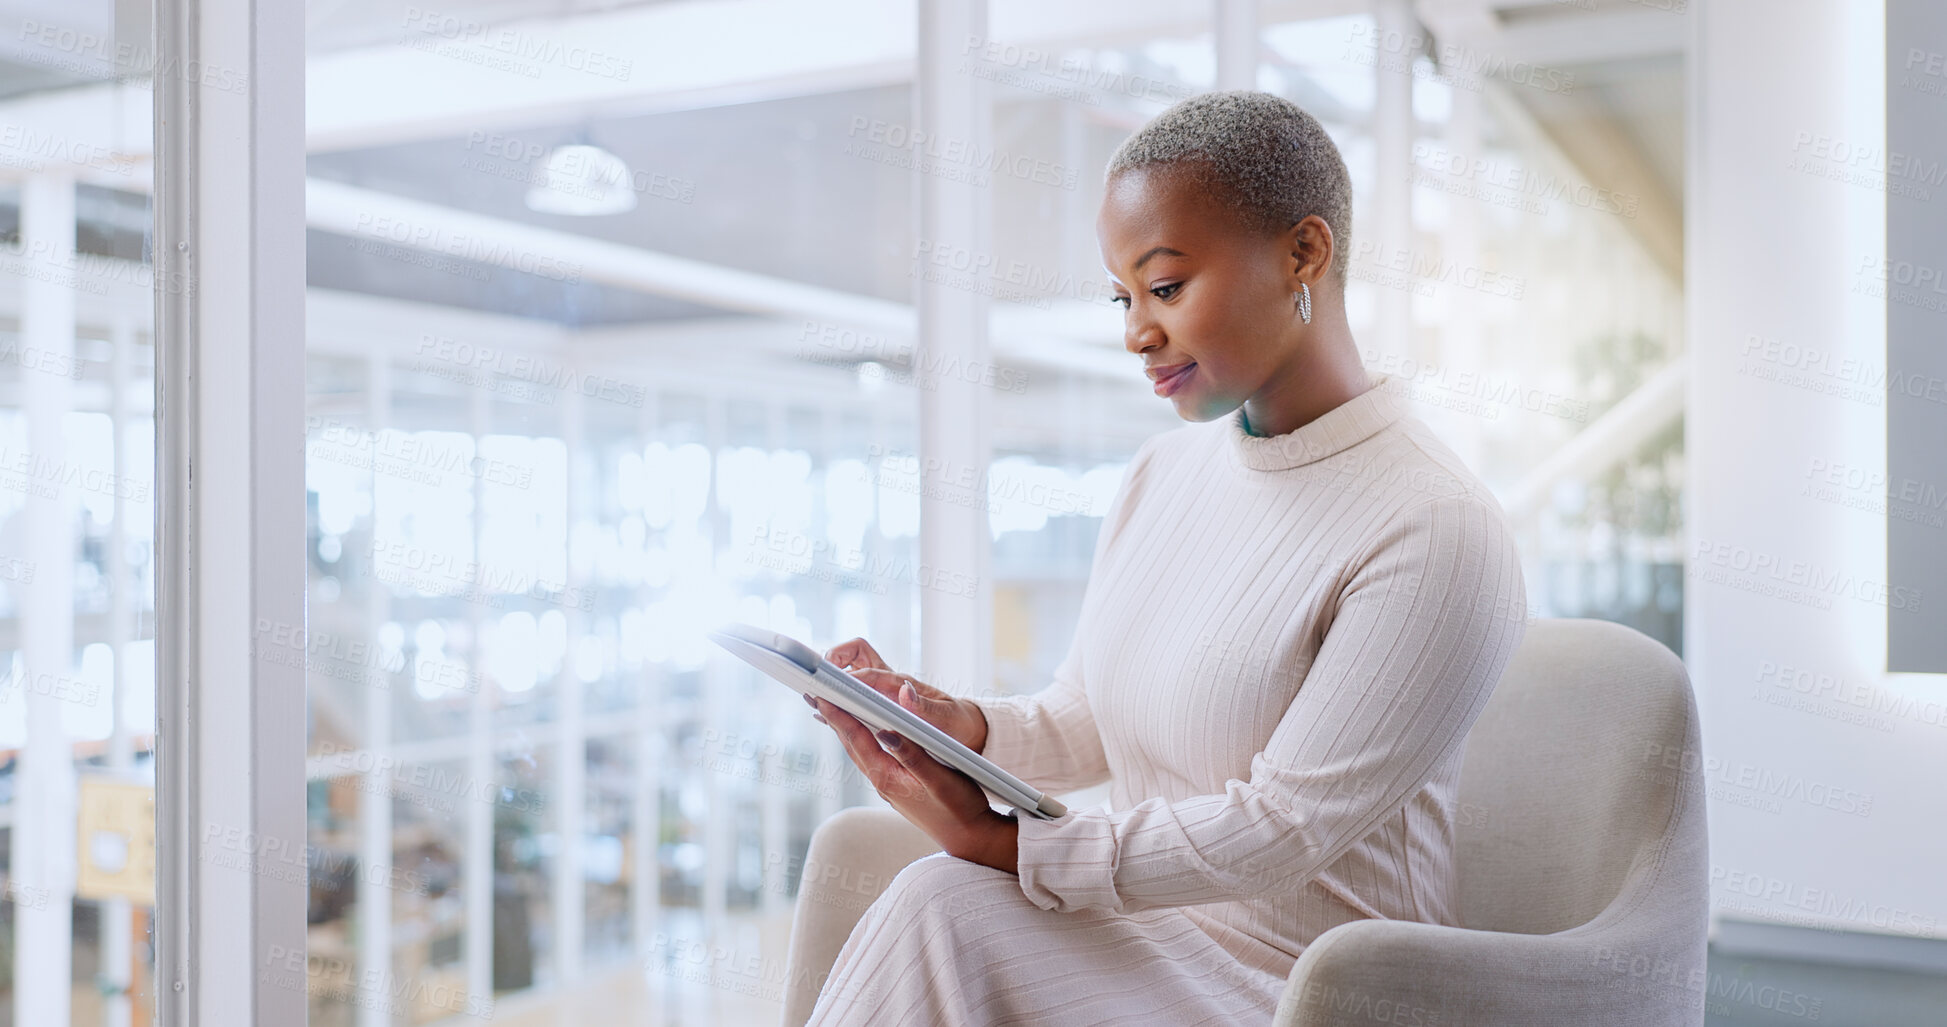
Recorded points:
(1539,273)
(604,351)
(77,464)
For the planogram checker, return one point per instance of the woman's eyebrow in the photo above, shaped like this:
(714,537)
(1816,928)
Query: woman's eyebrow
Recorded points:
(1154,250)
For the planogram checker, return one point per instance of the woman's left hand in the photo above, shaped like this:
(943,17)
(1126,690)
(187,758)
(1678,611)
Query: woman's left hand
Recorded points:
(937,799)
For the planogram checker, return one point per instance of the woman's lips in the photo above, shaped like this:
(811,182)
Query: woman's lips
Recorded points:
(1168,384)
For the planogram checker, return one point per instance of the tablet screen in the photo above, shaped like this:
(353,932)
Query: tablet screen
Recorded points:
(800,668)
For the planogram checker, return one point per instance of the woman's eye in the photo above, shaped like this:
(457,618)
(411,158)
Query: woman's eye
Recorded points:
(1161,292)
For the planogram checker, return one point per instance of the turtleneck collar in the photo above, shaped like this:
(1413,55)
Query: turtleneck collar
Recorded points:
(1333,432)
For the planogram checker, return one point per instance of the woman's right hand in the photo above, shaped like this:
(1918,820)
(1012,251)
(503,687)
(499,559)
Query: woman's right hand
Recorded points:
(959,718)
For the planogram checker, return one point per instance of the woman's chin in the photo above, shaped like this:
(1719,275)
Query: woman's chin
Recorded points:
(1193,407)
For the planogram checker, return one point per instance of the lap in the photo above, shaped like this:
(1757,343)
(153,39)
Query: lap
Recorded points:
(955,942)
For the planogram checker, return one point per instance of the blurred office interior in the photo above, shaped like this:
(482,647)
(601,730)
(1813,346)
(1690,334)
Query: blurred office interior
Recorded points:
(611,331)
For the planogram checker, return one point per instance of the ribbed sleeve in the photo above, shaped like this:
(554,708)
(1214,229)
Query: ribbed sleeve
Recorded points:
(1047,739)
(1424,626)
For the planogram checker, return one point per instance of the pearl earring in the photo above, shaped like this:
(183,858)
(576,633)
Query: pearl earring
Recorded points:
(1304,299)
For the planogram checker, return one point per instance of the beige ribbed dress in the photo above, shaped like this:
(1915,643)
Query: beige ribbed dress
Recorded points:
(1283,643)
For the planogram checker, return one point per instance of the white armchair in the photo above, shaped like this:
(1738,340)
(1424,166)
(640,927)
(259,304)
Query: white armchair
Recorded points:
(1582,858)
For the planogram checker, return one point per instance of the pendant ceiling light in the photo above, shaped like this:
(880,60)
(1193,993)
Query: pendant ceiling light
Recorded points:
(582,179)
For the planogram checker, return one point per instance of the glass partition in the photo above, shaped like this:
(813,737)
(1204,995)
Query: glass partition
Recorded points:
(1532,287)
(603,350)
(77,472)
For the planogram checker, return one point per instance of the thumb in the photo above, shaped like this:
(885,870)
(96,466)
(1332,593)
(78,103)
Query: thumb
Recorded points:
(932,710)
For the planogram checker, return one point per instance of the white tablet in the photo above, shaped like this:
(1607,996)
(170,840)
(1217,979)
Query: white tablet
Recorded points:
(801,669)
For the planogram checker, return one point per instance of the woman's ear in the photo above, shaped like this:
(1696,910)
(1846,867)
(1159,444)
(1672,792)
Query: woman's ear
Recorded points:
(1311,247)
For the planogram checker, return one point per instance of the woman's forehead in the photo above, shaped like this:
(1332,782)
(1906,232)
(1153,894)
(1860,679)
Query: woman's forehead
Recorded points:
(1142,212)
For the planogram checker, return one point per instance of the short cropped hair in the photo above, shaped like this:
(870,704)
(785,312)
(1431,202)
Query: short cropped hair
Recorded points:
(1261,154)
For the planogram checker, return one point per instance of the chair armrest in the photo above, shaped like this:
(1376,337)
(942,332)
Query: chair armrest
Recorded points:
(852,858)
(1428,975)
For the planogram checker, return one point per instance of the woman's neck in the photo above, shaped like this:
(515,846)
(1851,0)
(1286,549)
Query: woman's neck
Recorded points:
(1323,373)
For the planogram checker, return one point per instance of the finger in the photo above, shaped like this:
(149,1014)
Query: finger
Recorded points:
(886,774)
(856,651)
(940,711)
(906,692)
(927,706)
(885,682)
(840,720)
(925,691)
(857,739)
(846,726)
(930,773)
(851,651)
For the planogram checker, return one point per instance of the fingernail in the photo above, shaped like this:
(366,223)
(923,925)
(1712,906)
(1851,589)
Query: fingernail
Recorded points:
(820,718)
(809,701)
(890,740)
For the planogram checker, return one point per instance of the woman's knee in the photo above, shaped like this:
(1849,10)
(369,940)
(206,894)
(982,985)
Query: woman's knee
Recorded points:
(943,888)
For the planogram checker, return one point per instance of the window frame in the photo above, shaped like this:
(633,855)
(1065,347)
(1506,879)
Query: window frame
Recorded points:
(229,331)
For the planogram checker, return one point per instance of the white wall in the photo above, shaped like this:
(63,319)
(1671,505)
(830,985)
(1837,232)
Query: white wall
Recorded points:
(1787,391)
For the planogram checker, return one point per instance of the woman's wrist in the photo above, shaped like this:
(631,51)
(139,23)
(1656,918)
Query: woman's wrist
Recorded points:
(994,842)
(1007,845)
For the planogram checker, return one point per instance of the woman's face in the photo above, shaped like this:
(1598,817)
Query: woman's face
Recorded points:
(1202,295)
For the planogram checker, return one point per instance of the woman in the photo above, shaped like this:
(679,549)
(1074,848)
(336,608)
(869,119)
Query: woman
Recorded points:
(1295,613)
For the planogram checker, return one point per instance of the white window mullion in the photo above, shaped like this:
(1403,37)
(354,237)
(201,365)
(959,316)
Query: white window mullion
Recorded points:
(482,763)
(44,825)
(956,417)
(375,801)
(229,245)
(570,781)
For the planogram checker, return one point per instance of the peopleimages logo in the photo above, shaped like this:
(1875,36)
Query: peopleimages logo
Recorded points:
(1457,64)
(988,159)
(926,367)
(1520,181)
(398,453)
(460,246)
(487,149)
(427,778)
(1904,173)
(1794,580)
(86,51)
(786,549)
(440,573)
(1433,269)
(460,355)
(893,468)
(1861,696)
(26,146)
(39,475)
(1781,895)
(339,979)
(516,44)
(1060,75)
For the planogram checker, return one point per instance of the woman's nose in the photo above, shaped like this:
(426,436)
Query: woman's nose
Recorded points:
(1140,334)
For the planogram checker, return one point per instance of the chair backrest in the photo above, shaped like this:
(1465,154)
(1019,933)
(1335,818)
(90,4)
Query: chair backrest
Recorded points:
(1572,776)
